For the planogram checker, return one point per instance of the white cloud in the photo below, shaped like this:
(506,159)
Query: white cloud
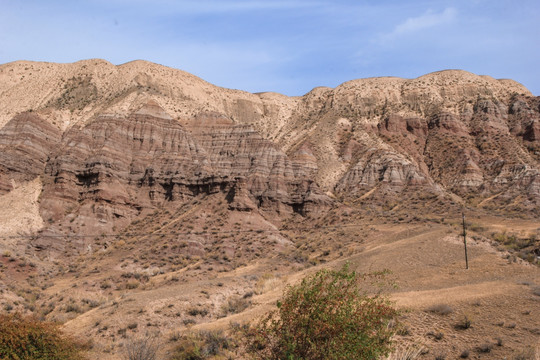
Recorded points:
(422,22)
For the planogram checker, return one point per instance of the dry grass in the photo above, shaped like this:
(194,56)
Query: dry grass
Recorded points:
(410,352)
(267,282)
(441,309)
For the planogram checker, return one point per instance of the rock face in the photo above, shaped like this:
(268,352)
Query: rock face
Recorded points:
(108,171)
(25,144)
(111,143)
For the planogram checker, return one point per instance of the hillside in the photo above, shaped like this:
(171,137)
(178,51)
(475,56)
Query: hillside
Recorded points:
(141,194)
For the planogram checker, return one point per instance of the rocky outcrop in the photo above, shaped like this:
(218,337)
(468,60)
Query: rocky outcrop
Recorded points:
(25,144)
(451,134)
(532,131)
(485,152)
(238,151)
(382,170)
(107,172)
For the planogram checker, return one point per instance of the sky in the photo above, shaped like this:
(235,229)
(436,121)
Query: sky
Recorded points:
(286,46)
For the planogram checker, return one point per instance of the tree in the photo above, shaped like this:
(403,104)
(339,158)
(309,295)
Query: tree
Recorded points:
(27,338)
(326,316)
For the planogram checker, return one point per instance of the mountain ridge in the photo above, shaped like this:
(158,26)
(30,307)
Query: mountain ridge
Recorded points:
(347,134)
(139,73)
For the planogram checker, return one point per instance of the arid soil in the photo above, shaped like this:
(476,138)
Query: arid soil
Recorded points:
(139,199)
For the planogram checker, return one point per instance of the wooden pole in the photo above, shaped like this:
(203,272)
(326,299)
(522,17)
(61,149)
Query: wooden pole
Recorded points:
(465,241)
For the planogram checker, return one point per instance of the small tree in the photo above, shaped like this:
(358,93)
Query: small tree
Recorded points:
(27,338)
(325,317)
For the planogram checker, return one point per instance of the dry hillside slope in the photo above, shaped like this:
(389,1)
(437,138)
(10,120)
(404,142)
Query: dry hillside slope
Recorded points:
(139,199)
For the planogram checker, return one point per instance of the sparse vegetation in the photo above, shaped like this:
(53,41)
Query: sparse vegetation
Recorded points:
(202,345)
(138,227)
(441,309)
(197,311)
(234,305)
(410,352)
(523,247)
(437,335)
(528,353)
(141,348)
(485,348)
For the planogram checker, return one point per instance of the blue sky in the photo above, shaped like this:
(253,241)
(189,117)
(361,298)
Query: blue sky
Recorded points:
(284,46)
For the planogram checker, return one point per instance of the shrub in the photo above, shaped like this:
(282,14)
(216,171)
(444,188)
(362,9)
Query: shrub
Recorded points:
(437,335)
(441,309)
(464,322)
(73,308)
(485,348)
(325,317)
(141,348)
(27,338)
(197,311)
(132,284)
(202,345)
(234,305)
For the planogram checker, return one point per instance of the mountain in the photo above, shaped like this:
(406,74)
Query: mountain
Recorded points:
(113,173)
(130,137)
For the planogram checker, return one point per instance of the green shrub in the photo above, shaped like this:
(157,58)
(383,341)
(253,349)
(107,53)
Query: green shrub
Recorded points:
(325,317)
(26,338)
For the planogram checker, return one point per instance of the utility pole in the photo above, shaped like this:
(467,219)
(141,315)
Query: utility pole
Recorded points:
(465,241)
